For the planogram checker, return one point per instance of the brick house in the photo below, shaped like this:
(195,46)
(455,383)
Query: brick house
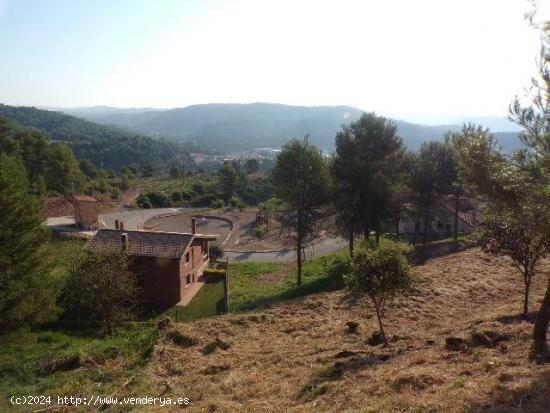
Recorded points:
(85,212)
(168,264)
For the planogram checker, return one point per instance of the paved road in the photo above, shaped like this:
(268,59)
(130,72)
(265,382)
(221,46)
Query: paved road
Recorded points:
(326,246)
(134,218)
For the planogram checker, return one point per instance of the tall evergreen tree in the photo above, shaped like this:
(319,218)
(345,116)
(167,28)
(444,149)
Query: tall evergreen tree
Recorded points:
(300,178)
(513,195)
(63,172)
(534,162)
(367,170)
(27,293)
(432,175)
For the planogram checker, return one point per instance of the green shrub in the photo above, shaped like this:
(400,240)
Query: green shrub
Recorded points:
(143,202)
(198,188)
(271,206)
(261,231)
(124,182)
(176,197)
(175,172)
(258,190)
(235,202)
(115,193)
(217,203)
(159,200)
(216,251)
(381,273)
(203,200)
(101,288)
(213,274)
(338,268)
(187,195)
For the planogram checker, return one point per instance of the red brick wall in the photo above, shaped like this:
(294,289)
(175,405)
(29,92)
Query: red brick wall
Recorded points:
(191,268)
(159,279)
(163,280)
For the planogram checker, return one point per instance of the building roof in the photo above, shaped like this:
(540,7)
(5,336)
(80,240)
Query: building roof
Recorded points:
(84,198)
(142,243)
(469,216)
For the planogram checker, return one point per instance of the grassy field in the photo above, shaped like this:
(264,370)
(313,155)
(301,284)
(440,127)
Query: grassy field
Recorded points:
(253,285)
(297,354)
(106,362)
(208,302)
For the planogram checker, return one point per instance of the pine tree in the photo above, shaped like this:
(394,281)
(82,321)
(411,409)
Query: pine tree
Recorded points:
(368,170)
(300,178)
(26,290)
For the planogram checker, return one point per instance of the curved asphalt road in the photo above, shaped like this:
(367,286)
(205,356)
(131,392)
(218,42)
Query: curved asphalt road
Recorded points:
(134,218)
(324,247)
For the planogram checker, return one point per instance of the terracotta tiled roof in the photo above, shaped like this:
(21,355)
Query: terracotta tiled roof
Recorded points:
(469,217)
(142,243)
(84,198)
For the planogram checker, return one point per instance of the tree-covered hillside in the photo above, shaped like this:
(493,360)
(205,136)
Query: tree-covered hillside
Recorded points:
(111,146)
(231,127)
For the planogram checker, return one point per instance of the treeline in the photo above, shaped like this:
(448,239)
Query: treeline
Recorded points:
(371,182)
(236,184)
(52,168)
(107,146)
(96,287)
(49,168)
(372,179)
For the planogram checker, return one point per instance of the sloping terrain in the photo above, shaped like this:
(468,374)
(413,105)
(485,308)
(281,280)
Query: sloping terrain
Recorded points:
(110,146)
(298,356)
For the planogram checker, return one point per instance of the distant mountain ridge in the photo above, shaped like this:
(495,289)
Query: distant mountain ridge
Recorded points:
(233,127)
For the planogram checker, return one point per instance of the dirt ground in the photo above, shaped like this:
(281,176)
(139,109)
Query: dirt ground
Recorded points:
(243,237)
(299,357)
(182,223)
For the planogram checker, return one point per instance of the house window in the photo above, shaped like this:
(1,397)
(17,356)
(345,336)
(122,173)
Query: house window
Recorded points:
(188,279)
(187,258)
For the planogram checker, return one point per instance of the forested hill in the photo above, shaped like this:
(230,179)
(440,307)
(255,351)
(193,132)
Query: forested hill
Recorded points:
(235,127)
(115,147)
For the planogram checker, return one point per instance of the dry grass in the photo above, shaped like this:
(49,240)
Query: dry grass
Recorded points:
(297,356)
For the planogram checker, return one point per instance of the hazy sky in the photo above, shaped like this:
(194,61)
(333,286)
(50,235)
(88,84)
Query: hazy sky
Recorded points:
(440,57)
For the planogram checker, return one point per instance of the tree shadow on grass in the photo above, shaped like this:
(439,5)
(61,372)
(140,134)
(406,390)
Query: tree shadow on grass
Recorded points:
(220,306)
(72,325)
(325,284)
(423,253)
(353,365)
(533,398)
(519,318)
